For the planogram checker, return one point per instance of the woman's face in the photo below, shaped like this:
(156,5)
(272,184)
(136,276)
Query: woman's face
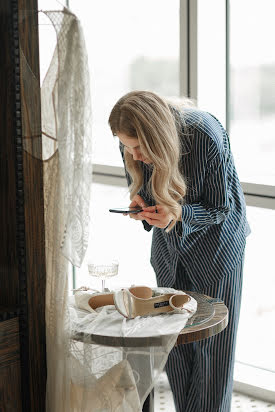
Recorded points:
(132,146)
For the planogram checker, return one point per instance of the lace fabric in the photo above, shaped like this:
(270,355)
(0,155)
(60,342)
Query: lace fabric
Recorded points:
(66,119)
(83,375)
(67,173)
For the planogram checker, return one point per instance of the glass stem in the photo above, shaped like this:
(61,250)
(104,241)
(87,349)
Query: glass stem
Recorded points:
(103,284)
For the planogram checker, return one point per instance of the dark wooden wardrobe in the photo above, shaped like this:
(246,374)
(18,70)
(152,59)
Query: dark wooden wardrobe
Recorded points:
(22,249)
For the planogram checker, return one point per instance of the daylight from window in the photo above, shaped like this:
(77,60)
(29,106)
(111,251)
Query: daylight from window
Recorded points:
(129,49)
(252,89)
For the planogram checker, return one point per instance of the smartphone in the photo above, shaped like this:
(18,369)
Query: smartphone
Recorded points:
(135,209)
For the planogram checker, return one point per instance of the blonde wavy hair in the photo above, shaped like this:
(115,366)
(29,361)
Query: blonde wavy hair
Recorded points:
(149,118)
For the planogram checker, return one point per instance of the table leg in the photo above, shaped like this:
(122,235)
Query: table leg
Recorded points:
(148,405)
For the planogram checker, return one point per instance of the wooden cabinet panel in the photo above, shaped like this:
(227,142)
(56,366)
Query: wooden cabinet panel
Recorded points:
(10,394)
(22,246)
(10,376)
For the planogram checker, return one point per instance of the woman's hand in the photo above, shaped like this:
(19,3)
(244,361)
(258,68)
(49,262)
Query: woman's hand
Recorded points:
(137,201)
(159,215)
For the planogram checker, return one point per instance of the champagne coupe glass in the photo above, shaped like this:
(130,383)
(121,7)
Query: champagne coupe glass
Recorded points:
(103,270)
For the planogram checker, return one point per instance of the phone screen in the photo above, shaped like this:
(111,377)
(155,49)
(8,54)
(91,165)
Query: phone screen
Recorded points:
(126,210)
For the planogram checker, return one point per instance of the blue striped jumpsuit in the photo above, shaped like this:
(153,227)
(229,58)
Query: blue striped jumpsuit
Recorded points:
(203,253)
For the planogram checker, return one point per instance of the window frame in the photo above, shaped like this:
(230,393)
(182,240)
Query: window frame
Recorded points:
(257,195)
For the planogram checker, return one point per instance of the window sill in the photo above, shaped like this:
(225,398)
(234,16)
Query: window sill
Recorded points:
(255,382)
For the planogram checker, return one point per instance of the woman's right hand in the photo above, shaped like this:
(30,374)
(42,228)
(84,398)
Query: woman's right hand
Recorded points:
(137,201)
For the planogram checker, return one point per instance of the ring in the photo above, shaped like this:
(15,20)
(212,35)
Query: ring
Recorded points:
(156,209)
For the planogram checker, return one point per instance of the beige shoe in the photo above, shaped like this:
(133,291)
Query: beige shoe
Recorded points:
(132,306)
(90,302)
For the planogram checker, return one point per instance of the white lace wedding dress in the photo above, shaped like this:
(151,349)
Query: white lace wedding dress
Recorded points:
(67,151)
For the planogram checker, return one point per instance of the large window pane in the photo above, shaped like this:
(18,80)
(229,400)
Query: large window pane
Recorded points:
(118,236)
(256,334)
(211,46)
(131,45)
(252,89)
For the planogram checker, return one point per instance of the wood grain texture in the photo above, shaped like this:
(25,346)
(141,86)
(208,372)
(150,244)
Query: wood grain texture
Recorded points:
(22,251)
(9,290)
(205,330)
(10,376)
(33,207)
(10,400)
(10,394)
(9,342)
(9,312)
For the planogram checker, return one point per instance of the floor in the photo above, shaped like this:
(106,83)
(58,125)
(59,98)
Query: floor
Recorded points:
(240,403)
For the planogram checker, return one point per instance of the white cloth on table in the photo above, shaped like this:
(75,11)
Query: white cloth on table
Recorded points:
(146,363)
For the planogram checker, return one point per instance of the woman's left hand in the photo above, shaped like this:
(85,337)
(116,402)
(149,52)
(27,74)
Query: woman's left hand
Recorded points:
(159,215)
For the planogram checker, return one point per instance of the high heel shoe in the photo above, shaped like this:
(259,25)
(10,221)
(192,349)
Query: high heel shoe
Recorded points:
(131,306)
(90,302)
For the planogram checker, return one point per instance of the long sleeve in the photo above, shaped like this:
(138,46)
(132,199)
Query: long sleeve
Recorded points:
(210,238)
(214,207)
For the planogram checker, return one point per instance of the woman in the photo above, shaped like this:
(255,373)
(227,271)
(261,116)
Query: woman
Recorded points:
(180,170)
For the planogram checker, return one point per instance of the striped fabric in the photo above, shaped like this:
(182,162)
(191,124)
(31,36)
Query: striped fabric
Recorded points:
(204,253)
(210,240)
(201,373)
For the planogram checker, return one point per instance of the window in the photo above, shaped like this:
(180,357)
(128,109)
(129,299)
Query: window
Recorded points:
(128,49)
(219,52)
(251,123)
(236,81)
(252,89)
(256,336)
(211,55)
(117,236)
(131,45)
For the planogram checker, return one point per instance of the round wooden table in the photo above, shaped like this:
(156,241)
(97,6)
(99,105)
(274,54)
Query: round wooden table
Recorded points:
(210,319)
(205,322)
